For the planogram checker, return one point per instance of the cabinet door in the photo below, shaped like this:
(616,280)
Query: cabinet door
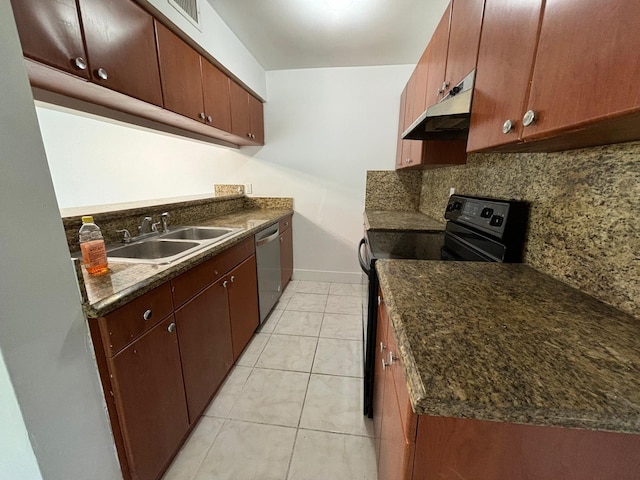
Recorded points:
(149,395)
(215,91)
(256,119)
(395,460)
(243,304)
(240,116)
(464,37)
(286,256)
(180,75)
(120,40)
(50,33)
(399,152)
(438,59)
(379,372)
(411,149)
(204,332)
(570,88)
(505,59)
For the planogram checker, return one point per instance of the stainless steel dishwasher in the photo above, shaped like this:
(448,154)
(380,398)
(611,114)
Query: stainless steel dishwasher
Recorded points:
(269,275)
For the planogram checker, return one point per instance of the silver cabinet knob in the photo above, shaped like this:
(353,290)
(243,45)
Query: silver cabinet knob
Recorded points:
(209,119)
(408,161)
(249,135)
(147,314)
(382,346)
(201,115)
(282,239)
(225,283)
(384,364)
(172,327)
(391,358)
(529,118)
(507,126)
(80,63)
(233,279)
(102,73)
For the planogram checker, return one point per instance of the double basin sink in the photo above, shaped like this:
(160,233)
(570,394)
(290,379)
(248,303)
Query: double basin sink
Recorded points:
(168,247)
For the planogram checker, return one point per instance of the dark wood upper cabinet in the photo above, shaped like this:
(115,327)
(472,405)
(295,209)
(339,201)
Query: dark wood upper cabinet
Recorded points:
(50,33)
(149,394)
(586,67)
(246,115)
(256,119)
(240,116)
(215,91)
(180,74)
(547,96)
(121,46)
(204,332)
(502,76)
(464,38)
(437,59)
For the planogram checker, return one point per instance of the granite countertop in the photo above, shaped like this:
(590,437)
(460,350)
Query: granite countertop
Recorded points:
(507,343)
(401,220)
(126,281)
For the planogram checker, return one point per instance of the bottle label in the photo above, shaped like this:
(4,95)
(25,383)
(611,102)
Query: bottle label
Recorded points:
(94,254)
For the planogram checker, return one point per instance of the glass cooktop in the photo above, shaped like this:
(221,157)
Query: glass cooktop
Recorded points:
(406,245)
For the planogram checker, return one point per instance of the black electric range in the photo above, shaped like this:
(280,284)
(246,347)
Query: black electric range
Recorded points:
(477,229)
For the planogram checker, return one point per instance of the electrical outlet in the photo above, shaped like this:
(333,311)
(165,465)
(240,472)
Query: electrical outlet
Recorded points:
(452,190)
(248,188)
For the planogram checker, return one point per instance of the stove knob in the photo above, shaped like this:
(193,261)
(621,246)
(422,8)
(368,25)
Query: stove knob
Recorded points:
(486,212)
(457,205)
(496,221)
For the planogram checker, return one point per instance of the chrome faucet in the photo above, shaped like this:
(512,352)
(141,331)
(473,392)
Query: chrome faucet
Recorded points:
(165,222)
(146,226)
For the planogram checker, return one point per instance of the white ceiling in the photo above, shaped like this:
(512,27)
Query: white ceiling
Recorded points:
(288,34)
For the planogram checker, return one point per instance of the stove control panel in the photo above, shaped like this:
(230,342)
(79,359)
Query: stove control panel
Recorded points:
(487,215)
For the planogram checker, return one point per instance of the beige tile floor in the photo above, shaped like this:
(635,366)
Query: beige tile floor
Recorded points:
(291,408)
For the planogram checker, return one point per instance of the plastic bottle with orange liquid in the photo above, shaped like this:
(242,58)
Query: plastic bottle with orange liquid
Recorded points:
(94,253)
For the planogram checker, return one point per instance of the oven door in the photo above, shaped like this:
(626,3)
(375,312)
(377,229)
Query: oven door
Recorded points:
(369,320)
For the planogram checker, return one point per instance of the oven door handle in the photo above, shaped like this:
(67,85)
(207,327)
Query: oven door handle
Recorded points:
(363,265)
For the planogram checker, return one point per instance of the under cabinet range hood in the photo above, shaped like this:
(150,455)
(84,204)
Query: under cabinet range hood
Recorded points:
(448,119)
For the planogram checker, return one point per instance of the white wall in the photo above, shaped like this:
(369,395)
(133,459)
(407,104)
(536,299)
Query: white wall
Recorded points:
(217,39)
(44,337)
(324,129)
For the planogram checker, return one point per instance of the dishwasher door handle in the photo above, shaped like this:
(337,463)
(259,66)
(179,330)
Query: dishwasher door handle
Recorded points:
(268,239)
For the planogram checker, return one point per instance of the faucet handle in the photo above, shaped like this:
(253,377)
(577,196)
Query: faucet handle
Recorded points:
(126,236)
(154,226)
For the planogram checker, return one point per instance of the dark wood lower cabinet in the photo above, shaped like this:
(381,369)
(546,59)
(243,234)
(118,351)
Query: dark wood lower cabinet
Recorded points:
(243,304)
(204,332)
(422,447)
(148,391)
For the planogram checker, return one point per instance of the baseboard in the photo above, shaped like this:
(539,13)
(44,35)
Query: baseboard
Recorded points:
(324,276)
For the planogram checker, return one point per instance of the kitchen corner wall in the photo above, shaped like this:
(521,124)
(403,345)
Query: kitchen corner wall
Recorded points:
(584,226)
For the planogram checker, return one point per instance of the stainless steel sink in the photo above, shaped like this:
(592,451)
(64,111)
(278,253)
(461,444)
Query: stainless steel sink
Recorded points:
(168,247)
(198,233)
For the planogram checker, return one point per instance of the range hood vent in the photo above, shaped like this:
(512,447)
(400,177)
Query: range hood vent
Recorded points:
(448,119)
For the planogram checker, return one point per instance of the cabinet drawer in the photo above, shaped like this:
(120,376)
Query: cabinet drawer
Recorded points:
(285,223)
(198,278)
(123,325)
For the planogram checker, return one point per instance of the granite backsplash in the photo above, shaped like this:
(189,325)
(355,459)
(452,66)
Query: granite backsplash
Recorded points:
(584,226)
(393,190)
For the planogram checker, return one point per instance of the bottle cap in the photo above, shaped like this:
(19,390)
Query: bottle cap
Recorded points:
(87,219)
